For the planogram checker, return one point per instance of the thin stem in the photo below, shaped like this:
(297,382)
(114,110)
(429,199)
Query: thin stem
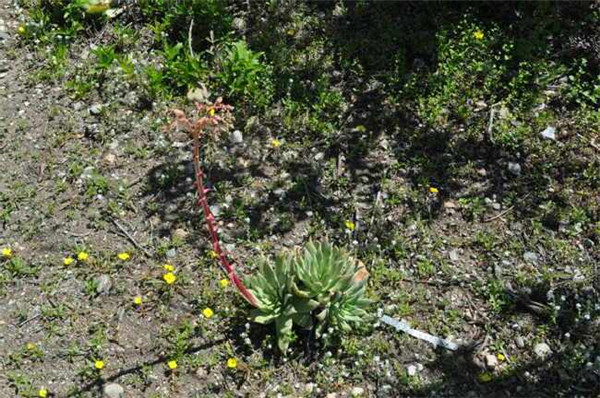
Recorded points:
(202,201)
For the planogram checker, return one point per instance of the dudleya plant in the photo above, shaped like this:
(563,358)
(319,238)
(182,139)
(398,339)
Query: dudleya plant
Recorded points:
(321,287)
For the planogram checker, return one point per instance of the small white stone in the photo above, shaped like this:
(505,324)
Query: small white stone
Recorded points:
(491,361)
(549,133)
(357,391)
(411,370)
(113,390)
(236,137)
(542,350)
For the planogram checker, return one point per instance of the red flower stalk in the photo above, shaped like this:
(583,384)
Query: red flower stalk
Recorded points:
(213,119)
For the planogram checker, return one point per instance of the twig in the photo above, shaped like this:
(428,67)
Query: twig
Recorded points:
(375,206)
(28,320)
(592,142)
(77,235)
(491,121)
(432,283)
(190,37)
(135,243)
(505,211)
(500,214)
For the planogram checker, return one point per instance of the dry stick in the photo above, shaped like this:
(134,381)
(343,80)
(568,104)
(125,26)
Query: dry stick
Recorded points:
(131,238)
(505,211)
(26,321)
(190,37)
(592,142)
(491,121)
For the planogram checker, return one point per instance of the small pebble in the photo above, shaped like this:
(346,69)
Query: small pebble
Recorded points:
(113,390)
(514,168)
(236,137)
(411,370)
(542,350)
(103,284)
(95,109)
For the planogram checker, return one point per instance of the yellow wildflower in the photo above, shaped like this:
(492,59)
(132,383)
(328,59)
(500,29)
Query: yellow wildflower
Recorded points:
(433,190)
(82,256)
(224,282)
(350,225)
(123,256)
(232,363)
(169,268)
(291,32)
(211,111)
(7,252)
(68,261)
(137,300)
(485,377)
(30,346)
(501,357)
(213,254)
(478,35)
(172,364)
(275,143)
(21,29)
(42,393)
(170,278)
(207,312)
(99,364)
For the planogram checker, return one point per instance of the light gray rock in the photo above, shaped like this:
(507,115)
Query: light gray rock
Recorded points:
(113,390)
(514,168)
(520,342)
(96,109)
(411,370)
(357,392)
(491,362)
(549,133)
(542,350)
(453,255)
(530,257)
(103,284)
(236,137)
